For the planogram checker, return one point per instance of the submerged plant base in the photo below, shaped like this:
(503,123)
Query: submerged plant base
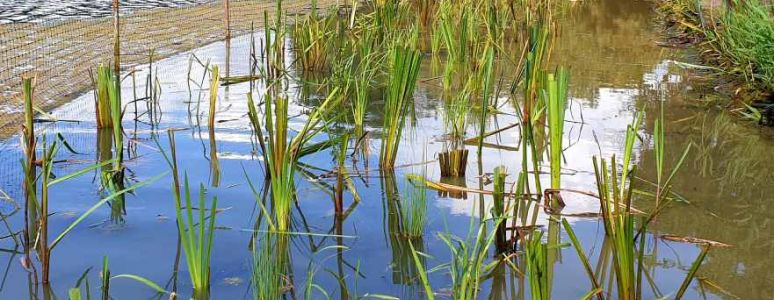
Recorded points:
(453,163)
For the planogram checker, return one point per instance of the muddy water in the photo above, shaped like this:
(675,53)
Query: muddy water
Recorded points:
(616,68)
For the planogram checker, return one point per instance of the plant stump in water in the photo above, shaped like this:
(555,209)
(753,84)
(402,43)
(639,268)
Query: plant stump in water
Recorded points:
(453,163)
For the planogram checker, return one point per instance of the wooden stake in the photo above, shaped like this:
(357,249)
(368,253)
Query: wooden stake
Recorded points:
(227,18)
(116,39)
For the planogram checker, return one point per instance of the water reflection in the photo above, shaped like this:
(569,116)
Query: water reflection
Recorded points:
(616,68)
(26,11)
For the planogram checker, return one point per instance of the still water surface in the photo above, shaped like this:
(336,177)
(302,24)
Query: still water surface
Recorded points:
(24,11)
(616,69)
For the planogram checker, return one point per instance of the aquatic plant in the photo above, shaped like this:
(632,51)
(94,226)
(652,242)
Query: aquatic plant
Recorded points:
(414,210)
(404,69)
(615,197)
(365,73)
(596,288)
(743,41)
(537,261)
(196,236)
(30,171)
(312,39)
(267,278)
(487,62)
(107,98)
(196,232)
(281,156)
(468,263)
(532,108)
(422,273)
(555,96)
(453,161)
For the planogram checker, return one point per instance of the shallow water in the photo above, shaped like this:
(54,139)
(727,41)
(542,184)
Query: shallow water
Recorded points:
(616,68)
(35,11)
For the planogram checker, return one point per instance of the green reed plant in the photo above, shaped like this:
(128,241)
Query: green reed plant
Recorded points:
(267,279)
(468,264)
(532,108)
(404,70)
(366,71)
(453,161)
(196,230)
(282,156)
(414,210)
(196,236)
(313,39)
(619,227)
(615,197)
(537,261)
(555,96)
(107,97)
(30,171)
(429,294)
(597,289)
(486,76)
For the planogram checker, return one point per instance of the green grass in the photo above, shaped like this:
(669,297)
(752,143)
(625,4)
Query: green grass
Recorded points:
(744,39)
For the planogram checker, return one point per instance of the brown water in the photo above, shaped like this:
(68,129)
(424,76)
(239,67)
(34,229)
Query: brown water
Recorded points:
(616,68)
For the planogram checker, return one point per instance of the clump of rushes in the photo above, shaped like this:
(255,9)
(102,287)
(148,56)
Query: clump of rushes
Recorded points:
(196,232)
(555,96)
(366,71)
(615,203)
(531,110)
(312,38)
(468,263)
(414,210)
(627,242)
(107,98)
(404,69)
(196,237)
(267,276)
(487,62)
(537,258)
(281,156)
(454,160)
(109,102)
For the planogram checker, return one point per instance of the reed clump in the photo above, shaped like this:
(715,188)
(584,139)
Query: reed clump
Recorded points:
(453,160)
(404,70)
(313,39)
(107,97)
(414,211)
